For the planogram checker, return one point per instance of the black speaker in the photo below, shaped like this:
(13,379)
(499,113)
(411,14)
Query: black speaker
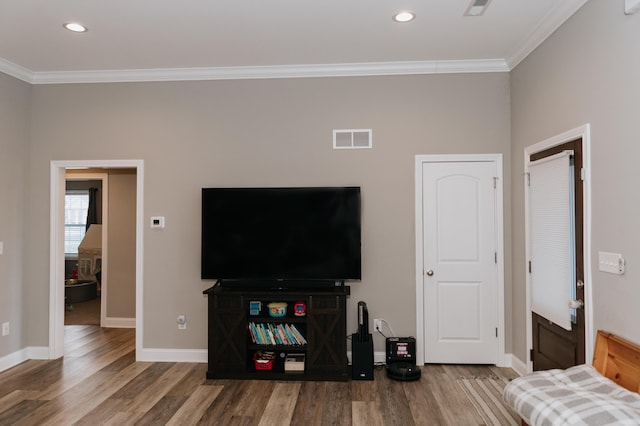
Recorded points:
(361,358)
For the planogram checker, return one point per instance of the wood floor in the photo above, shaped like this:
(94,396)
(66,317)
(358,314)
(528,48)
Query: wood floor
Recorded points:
(83,313)
(98,382)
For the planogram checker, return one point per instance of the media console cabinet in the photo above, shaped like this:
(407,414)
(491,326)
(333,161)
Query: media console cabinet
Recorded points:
(234,320)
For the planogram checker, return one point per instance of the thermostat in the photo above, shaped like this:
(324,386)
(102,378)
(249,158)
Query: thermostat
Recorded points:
(157,222)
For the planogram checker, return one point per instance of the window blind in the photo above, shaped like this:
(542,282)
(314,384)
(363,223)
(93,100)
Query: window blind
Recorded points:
(551,199)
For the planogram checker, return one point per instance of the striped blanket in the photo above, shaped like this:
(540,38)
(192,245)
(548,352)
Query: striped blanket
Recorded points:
(575,396)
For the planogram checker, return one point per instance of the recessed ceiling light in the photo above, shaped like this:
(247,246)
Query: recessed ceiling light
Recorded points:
(75,27)
(404,16)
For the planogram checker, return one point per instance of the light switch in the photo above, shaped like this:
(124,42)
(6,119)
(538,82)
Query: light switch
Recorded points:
(1,247)
(612,263)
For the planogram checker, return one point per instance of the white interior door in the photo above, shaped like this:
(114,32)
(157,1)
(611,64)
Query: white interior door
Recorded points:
(460,276)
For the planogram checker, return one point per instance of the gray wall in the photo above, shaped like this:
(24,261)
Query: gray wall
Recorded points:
(15,119)
(278,132)
(261,133)
(121,237)
(587,72)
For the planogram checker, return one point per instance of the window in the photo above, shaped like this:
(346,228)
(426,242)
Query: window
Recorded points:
(76,204)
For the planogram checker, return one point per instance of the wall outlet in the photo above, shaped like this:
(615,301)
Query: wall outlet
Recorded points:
(5,328)
(377,325)
(182,322)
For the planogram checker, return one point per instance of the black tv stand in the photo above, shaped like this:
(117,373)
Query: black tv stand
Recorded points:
(232,347)
(279,284)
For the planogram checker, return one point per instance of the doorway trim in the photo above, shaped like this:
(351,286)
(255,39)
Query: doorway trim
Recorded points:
(56,247)
(420,330)
(581,132)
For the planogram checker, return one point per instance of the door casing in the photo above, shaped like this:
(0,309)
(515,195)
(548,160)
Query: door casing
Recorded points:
(420,160)
(56,248)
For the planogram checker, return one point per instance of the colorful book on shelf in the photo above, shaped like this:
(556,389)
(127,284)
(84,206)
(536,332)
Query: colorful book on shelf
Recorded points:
(253,336)
(298,335)
(269,334)
(292,337)
(285,337)
(255,333)
(275,334)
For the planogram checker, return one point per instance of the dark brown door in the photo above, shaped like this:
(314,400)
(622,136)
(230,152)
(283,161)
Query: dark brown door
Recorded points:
(554,346)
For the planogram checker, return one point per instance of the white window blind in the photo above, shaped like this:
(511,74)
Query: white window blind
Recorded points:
(76,204)
(551,199)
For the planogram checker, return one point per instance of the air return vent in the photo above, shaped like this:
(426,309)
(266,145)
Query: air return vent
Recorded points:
(352,139)
(477,7)
(631,6)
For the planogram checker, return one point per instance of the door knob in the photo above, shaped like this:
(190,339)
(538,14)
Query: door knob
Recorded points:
(430,272)
(576,304)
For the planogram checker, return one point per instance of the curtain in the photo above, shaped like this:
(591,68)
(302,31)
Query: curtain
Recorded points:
(92,211)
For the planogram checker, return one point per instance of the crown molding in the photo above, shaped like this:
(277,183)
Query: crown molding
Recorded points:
(16,71)
(547,26)
(262,72)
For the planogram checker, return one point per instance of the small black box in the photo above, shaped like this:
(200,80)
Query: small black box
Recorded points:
(401,349)
(361,358)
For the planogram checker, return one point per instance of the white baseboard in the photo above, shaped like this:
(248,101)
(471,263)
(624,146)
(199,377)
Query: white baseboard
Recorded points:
(146,354)
(192,355)
(15,358)
(115,322)
(172,355)
(38,352)
(517,364)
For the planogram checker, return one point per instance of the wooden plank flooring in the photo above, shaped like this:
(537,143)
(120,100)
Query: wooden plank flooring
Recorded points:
(98,382)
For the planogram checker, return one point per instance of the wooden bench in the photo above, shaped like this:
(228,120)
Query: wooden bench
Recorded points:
(606,393)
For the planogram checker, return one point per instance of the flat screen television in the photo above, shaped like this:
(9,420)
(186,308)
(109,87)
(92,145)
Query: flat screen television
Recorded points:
(282,236)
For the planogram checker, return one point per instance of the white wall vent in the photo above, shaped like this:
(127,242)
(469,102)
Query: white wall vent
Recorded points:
(477,7)
(352,138)
(631,6)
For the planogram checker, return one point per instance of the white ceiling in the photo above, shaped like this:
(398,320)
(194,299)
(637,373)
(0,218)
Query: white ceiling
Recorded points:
(154,40)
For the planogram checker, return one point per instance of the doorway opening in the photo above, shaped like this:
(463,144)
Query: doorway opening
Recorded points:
(59,171)
(85,252)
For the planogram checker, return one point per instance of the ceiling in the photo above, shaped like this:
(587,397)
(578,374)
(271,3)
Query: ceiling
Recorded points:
(156,40)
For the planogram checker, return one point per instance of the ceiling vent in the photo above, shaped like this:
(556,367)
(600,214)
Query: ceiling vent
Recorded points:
(352,139)
(631,6)
(477,7)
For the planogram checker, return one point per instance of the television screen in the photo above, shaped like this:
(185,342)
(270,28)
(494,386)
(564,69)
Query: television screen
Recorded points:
(281,234)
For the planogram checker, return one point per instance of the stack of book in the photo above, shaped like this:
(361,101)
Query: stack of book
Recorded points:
(275,334)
